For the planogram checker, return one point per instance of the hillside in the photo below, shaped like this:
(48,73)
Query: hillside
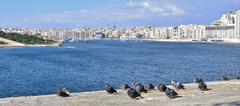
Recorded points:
(26,39)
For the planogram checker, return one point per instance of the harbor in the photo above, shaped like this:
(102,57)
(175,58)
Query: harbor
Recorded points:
(120,53)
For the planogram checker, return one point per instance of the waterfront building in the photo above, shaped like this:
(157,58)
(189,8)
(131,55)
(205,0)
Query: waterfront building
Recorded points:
(99,35)
(227,27)
(192,31)
(224,32)
(237,24)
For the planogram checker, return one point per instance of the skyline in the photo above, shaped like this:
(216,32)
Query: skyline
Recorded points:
(120,13)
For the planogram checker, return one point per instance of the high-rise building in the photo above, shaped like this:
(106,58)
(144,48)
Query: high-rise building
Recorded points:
(237,23)
(224,28)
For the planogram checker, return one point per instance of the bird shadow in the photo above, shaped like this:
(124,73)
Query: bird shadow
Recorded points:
(208,89)
(178,96)
(117,93)
(237,103)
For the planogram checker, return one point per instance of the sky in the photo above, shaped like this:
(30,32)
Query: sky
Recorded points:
(109,13)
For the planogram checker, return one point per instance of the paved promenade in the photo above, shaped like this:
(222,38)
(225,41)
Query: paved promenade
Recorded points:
(225,93)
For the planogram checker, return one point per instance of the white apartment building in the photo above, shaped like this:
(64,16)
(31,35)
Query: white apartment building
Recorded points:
(192,31)
(225,28)
(225,32)
(237,24)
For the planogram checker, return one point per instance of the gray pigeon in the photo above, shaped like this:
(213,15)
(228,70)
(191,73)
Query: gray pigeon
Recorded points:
(171,93)
(132,93)
(149,87)
(202,85)
(238,76)
(125,86)
(63,92)
(109,89)
(177,85)
(195,79)
(162,87)
(223,78)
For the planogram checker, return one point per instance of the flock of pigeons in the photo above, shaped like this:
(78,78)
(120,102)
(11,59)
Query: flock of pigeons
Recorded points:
(137,88)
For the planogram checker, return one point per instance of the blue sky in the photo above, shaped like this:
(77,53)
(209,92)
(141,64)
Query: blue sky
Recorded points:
(107,13)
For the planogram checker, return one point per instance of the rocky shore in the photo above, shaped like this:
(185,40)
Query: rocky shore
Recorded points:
(222,93)
(10,43)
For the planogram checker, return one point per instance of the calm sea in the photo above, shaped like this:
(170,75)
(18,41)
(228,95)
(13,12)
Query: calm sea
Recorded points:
(89,65)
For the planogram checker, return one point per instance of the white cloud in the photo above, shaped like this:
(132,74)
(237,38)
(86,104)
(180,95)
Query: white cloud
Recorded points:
(133,10)
(157,7)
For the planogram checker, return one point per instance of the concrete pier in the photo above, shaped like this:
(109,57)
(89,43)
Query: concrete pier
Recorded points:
(222,93)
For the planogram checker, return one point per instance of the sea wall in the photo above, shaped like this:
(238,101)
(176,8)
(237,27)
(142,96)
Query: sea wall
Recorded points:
(221,93)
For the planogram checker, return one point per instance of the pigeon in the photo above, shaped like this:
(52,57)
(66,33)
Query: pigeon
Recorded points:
(125,86)
(162,87)
(202,85)
(63,92)
(238,76)
(177,85)
(140,88)
(132,93)
(195,79)
(149,87)
(135,83)
(223,78)
(171,93)
(109,89)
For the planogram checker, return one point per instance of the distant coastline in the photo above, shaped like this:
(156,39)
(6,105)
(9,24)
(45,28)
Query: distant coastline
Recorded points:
(191,40)
(10,43)
(236,41)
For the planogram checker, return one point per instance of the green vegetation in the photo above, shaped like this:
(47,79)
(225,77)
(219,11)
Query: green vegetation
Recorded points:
(25,39)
